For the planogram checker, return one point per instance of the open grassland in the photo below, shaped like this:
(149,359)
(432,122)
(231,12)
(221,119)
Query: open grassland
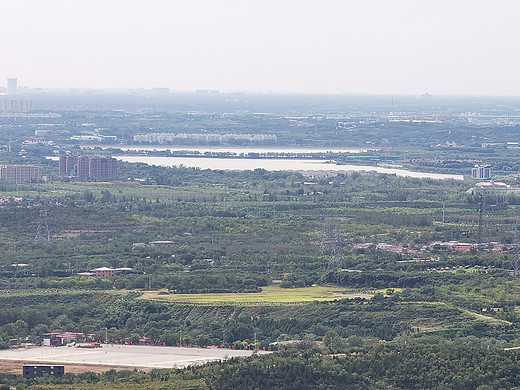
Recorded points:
(135,189)
(116,188)
(269,294)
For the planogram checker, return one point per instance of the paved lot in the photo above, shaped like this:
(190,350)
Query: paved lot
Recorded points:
(122,355)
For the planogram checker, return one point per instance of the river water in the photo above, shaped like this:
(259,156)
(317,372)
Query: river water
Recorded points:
(276,165)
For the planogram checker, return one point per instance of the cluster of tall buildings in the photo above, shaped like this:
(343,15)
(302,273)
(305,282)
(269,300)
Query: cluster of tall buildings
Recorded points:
(12,102)
(10,105)
(88,166)
(206,138)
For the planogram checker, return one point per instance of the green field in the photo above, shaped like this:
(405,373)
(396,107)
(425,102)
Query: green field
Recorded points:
(269,294)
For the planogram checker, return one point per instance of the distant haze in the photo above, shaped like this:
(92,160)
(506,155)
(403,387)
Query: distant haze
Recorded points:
(464,47)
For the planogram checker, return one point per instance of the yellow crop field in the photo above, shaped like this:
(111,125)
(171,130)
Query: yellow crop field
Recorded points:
(269,294)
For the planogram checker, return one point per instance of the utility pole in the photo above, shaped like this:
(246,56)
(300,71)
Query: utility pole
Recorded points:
(106,335)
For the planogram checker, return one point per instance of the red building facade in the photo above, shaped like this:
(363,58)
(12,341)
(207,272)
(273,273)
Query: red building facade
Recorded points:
(93,167)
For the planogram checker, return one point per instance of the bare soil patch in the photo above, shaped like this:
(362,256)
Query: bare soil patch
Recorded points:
(15,367)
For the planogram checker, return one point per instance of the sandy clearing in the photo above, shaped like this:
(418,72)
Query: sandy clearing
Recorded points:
(115,356)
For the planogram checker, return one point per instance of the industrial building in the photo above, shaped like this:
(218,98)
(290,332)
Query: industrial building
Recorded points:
(107,271)
(493,187)
(40,370)
(63,338)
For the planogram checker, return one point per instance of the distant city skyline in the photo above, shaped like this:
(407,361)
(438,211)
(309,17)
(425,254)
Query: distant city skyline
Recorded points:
(440,47)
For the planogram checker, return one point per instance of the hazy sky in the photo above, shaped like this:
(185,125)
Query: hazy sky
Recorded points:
(325,46)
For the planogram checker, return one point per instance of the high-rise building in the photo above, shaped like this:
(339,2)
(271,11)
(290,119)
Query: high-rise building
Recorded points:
(20,173)
(68,164)
(15,105)
(12,86)
(481,172)
(63,164)
(102,167)
(93,167)
(82,169)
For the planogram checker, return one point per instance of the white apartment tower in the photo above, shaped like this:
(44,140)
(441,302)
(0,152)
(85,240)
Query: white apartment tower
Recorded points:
(12,86)
(481,172)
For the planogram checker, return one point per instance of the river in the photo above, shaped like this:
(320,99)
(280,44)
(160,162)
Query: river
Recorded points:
(276,165)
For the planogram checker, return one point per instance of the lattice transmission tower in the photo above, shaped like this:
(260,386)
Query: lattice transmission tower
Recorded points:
(515,263)
(42,233)
(332,244)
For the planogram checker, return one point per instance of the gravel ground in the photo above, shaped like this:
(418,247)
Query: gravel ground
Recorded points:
(113,356)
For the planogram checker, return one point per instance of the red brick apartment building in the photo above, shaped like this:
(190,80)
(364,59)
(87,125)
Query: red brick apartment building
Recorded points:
(93,167)
(20,173)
